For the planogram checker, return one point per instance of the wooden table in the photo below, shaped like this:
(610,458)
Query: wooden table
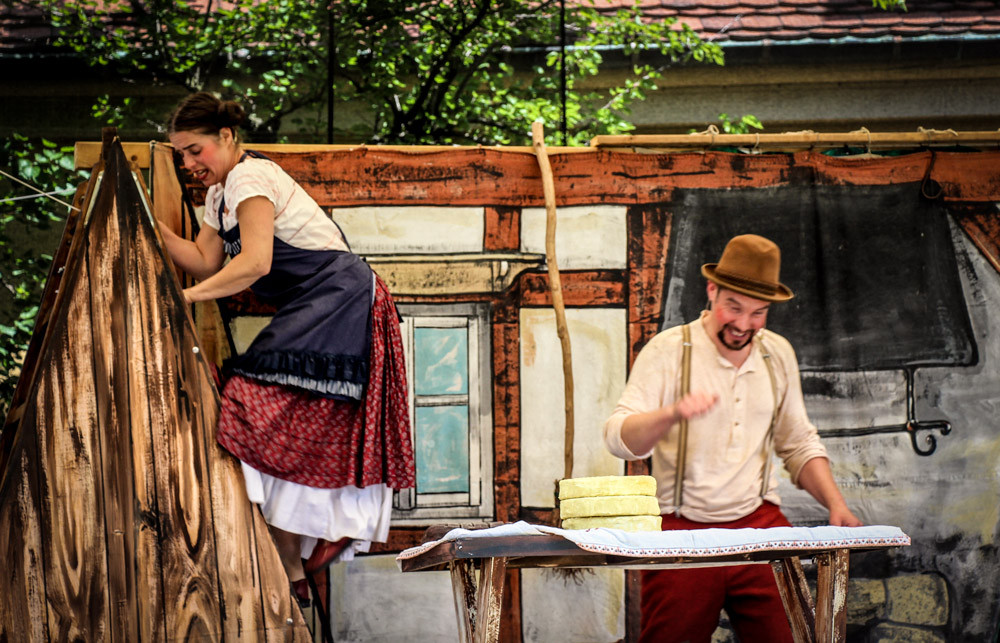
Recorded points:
(479,607)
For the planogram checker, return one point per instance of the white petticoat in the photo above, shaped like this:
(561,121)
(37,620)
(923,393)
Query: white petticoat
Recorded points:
(361,514)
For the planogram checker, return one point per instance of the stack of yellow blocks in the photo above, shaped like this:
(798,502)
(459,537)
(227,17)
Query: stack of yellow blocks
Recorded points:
(619,502)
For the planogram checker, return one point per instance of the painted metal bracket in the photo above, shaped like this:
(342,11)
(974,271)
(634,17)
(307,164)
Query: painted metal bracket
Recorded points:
(912,425)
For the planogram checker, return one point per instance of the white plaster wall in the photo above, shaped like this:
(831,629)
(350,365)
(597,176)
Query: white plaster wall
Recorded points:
(590,236)
(587,607)
(373,602)
(418,229)
(598,342)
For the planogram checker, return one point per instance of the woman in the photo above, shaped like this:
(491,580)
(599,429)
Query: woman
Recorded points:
(316,408)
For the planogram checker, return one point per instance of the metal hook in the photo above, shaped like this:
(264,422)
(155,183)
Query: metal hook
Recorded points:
(913,427)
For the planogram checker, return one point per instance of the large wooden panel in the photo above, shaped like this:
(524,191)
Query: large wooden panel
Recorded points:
(75,560)
(22,601)
(106,253)
(121,519)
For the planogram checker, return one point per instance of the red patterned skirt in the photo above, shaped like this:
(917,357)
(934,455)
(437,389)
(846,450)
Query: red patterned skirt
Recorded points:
(298,436)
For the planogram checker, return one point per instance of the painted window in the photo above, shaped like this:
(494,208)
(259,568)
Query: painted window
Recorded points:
(448,370)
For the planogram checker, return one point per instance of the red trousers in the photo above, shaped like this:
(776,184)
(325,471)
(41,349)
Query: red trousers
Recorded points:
(684,604)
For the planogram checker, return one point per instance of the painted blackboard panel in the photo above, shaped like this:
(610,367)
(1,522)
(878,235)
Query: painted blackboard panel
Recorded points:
(872,267)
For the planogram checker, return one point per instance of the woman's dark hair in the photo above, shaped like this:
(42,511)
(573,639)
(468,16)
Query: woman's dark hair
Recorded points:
(204,113)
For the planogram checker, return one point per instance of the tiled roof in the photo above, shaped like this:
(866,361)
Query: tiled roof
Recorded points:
(733,21)
(22,29)
(725,21)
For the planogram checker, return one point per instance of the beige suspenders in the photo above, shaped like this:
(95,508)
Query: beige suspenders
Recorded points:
(683,426)
(682,436)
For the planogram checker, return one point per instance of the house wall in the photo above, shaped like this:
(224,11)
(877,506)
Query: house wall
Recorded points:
(490,201)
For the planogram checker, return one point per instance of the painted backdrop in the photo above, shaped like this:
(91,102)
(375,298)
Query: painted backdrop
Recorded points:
(895,261)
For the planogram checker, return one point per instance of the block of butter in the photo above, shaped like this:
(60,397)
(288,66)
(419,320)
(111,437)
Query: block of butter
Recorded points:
(625,523)
(609,506)
(607,486)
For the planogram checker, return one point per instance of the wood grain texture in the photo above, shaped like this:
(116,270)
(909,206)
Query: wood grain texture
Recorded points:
(489,600)
(45,308)
(75,564)
(831,596)
(23,614)
(107,254)
(463,588)
(800,616)
(121,518)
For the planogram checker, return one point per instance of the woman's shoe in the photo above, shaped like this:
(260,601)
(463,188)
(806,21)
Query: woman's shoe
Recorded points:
(300,590)
(324,554)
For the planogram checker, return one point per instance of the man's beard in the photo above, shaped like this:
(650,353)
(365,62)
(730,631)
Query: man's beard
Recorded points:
(734,347)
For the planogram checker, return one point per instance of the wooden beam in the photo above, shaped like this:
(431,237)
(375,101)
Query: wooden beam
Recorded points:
(801,140)
(795,597)
(86,153)
(463,587)
(831,596)
(489,600)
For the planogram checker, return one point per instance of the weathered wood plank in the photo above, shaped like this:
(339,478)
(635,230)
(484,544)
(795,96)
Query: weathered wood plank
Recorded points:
(282,618)
(74,554)
(148,382)
(109,240)
(187,547)
(188,557)
(45,308)
(489,600)
(799,614)
(22,602)
(831,596)
(463,589)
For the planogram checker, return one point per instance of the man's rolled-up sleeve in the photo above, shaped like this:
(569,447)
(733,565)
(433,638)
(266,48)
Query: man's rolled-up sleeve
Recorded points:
(796,440)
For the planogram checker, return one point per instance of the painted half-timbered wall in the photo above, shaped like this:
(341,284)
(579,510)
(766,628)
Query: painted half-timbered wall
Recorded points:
(460,235)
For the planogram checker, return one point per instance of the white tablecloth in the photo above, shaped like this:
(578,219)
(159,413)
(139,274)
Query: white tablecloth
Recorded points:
(696,542)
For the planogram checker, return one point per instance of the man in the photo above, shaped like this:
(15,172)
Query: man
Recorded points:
(743,400)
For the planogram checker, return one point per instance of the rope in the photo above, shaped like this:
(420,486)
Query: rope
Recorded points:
(40,192)
(27,197)
(932,131)
(864,130)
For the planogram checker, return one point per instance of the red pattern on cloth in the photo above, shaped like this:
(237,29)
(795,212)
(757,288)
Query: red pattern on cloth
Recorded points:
(298,436)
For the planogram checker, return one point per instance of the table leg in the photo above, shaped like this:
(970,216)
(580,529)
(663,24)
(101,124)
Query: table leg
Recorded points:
(463,588)
(489,600)
(831,596)
(796,598)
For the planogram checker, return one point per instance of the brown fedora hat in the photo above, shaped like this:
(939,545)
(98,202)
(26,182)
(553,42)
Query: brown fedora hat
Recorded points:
(750,265)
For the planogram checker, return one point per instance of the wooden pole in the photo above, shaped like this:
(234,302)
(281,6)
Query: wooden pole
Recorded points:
(555,287)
